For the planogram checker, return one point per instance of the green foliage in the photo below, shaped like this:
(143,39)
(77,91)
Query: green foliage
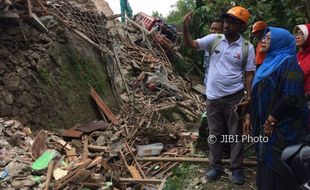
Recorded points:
(179,10)
(182,172)
(279,13)
(157,14)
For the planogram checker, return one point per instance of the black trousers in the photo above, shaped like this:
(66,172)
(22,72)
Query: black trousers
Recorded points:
(222,120)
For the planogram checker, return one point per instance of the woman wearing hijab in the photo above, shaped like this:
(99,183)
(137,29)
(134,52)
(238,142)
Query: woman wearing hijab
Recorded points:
(302,36)
(277,108)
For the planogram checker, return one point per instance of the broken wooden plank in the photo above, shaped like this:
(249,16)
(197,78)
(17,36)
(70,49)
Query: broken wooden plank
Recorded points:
(74,164)
(86,38)
(166,107)
(95,162)
(191,160)
(91,184)
(36,21)
(134,172)
(63,144)
(29,8)
(98,148)
(39,144)
(103,106)
(49,174)
(72,133)
(200,88)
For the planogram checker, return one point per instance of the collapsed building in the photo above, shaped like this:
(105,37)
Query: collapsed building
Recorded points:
(85,97)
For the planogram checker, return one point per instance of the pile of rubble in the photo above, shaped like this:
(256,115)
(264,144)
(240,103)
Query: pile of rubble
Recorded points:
(138,67)
(92,155)
(108,153)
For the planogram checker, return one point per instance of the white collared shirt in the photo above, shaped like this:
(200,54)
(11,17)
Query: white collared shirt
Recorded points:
(225,71)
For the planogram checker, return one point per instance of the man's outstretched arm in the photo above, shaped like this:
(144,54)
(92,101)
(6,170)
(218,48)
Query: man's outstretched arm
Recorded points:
(189,42)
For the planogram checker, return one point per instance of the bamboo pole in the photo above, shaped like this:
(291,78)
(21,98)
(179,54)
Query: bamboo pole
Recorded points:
(190,159)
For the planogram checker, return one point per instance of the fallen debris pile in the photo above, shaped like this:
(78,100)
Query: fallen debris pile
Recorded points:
(103,155)
(98,157)
(108,153)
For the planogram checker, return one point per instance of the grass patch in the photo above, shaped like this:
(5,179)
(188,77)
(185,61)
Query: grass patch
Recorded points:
(181,176)
(192,177)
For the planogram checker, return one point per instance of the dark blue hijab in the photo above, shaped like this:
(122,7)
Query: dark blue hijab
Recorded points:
(282,46)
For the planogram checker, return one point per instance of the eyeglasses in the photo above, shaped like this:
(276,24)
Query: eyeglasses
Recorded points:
(298,34)
(265,38)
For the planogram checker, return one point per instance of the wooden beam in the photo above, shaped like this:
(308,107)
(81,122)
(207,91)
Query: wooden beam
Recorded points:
(36,21)
(103,106)
(166,107)
(29,8)
(97,148)
(95,162)
(190,159)
(49,174)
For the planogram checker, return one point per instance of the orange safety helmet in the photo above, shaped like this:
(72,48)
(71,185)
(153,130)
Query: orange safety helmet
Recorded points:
(240,13)
(259,25)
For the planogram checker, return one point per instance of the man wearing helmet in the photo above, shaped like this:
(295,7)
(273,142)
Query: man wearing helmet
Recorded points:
(228,81)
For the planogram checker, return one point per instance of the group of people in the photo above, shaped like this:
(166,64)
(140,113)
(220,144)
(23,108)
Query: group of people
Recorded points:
(270,85)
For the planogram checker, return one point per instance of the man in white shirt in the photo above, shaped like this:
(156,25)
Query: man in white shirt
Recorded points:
(225,87)
(215,28)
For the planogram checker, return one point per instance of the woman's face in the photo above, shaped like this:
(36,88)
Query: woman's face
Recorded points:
(300,39)
(265,43)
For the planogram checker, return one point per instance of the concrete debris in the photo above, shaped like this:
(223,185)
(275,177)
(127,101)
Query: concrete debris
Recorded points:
(157,105)
(101,156)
